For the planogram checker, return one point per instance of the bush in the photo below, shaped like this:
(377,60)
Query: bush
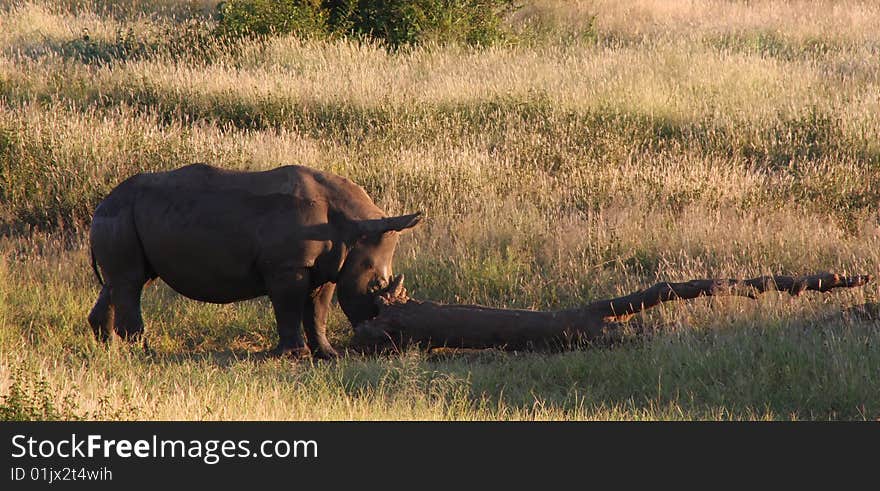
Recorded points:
(31,398)
(243,18)
(189,38)
(394,22)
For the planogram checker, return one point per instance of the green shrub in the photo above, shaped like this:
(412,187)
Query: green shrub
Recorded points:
(394,22)
(186,39)
(245,18)
(398,22)
(31,398)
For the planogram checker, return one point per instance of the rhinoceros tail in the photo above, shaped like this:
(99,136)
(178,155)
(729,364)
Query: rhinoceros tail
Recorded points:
(95,267)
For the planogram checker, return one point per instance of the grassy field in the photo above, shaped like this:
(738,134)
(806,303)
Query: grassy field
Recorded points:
(606,145)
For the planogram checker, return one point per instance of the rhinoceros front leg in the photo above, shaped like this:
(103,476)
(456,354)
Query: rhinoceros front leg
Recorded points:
(315,311)
(288,293)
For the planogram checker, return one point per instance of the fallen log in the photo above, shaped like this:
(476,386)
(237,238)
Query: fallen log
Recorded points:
(402,320)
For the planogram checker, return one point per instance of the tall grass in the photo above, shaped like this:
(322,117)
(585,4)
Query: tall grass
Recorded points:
(603,147)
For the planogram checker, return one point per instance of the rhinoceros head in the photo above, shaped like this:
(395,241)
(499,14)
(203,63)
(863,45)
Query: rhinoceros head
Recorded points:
(366,273)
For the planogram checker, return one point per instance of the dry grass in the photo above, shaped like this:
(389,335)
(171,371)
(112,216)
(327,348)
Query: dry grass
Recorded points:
(589,156)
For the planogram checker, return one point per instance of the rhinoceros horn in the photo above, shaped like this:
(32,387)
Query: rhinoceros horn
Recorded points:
(395,288)
(393,293)
(381,225)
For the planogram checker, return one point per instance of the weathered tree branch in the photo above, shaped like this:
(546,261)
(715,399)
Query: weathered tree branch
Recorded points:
(403,320)
(664,292)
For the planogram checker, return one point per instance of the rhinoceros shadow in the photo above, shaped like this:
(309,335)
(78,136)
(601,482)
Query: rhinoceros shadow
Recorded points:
(630,334)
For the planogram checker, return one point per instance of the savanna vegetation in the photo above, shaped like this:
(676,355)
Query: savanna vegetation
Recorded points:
(576,150)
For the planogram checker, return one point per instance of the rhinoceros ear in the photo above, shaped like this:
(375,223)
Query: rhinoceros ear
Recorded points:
(382,225)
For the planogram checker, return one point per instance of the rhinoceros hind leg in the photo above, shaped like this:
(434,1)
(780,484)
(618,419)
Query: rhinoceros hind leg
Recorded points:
(119,254)
(101,316)
(127,320)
